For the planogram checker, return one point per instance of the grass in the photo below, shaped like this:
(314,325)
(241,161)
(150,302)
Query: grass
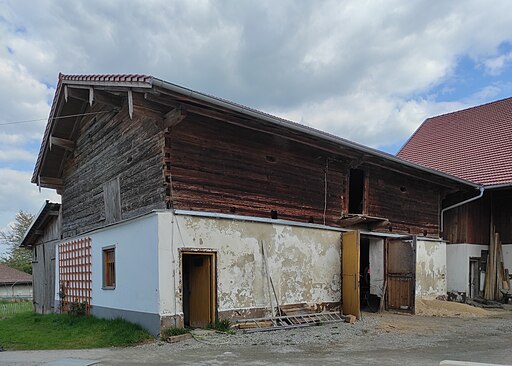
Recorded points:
(10,308)
(223,325)
(28,331)
(171,332)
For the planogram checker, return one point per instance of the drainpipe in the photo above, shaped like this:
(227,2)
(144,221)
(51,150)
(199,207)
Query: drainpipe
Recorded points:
(482,189)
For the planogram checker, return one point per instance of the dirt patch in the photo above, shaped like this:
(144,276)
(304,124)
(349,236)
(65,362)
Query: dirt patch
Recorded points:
(449,309)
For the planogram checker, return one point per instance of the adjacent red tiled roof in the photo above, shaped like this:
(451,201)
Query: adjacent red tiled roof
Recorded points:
(10,275)
(474,144)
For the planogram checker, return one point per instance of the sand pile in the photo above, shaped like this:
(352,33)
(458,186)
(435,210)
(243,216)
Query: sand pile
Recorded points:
(448,308)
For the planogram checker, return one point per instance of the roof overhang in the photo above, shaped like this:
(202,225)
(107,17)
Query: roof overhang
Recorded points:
(37,227)
(76,94)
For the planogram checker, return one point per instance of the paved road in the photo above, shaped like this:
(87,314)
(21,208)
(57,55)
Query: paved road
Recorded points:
(386,339)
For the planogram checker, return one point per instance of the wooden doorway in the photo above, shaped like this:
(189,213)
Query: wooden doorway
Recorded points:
(401,274)
(474,277)
(199,288)
(350,282)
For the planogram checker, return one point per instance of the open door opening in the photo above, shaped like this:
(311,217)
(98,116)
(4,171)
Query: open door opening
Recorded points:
(368,302)
(199,288)
(350,272)
(474,277)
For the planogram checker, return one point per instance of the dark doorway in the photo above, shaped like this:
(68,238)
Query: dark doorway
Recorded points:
(474,277)
(199,288)
(356,191)
(368,301)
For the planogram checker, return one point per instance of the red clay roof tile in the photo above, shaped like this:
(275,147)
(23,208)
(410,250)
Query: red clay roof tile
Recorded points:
(474,144)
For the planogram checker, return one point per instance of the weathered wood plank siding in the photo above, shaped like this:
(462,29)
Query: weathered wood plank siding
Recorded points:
(410,204)
(503,214)
(215,166)
(113,146)
(469,223)
(43,267)
(220,167)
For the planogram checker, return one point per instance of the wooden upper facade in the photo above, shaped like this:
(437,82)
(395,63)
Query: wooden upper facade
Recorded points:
(119,146)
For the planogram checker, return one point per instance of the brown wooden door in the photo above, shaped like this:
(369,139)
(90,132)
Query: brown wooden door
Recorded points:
(350,273)
(401,270)
(199,288)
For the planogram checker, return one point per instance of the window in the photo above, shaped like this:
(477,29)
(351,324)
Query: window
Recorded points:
(109,268)
(356,191)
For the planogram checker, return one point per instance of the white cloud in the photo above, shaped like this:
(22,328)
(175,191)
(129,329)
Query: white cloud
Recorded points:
(495,65)
(362,70)
(16,155)
(17,193)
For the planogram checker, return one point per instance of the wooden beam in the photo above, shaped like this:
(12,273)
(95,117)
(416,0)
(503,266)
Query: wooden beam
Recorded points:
(65,144)
(91,95)
(50,181)
(80,94)
(108,98)
(130,104)
(174,117)
(53,213)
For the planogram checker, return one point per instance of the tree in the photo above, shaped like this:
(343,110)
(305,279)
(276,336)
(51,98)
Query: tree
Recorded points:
(16,257)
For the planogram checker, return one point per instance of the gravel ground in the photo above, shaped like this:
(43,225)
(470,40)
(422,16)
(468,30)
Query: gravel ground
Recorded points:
(384,339)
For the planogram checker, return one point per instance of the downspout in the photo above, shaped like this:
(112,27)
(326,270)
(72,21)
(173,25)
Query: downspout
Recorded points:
(481,188)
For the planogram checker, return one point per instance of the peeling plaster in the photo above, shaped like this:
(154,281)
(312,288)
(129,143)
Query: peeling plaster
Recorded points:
(304,263)
(430,269)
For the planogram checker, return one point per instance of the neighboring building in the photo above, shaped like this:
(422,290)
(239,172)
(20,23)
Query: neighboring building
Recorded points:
(42,238)
(474,144)
(14,284)
(171,197)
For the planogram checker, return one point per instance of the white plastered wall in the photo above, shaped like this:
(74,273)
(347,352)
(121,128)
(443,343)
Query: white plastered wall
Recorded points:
(17,290)
(430,269)
(304,263)
(507,256)
(137,279)
(457,261)
(376,266)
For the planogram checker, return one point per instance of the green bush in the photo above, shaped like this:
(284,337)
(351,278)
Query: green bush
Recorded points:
(223,325)
(173,331)
(78,308)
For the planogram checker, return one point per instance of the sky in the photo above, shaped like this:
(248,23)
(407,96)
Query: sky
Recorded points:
(368,71)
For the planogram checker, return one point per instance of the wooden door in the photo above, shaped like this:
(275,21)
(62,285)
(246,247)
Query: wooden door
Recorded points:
(199,289)
(401,271)
(350,273)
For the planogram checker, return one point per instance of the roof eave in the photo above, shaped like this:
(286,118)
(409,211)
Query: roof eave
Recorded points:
(305,129)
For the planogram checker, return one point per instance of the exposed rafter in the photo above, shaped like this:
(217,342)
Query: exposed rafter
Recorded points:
(65,144)
(174,117)
(91,95)
(130,104)
(50,182)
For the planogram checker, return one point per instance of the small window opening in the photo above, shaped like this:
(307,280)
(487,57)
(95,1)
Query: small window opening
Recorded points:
(425,232)
(232,209)
(311,220)
(109,268)
(273,214)
(270,158)
(356,191)
(390,228)
(403,189)
(129,160)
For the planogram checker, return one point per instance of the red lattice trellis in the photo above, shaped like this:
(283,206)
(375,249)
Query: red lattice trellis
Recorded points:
(75,273)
